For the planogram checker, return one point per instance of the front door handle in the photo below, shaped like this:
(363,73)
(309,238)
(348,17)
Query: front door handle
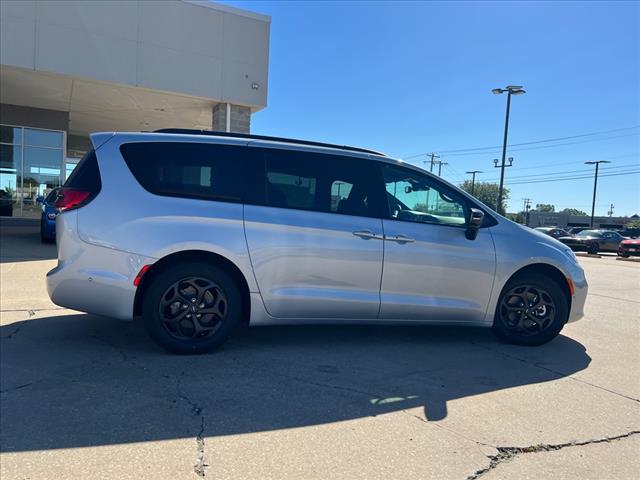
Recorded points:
(366,234)
(400,238)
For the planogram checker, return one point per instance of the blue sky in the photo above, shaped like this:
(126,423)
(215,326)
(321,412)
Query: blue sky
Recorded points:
(412,77)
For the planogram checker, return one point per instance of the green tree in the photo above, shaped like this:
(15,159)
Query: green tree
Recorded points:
(487,193)
(545,207)
(573,211)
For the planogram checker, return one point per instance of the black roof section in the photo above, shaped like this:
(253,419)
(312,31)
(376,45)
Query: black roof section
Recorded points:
(248,136)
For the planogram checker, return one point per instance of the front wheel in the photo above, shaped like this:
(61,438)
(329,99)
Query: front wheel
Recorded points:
(532,310)
(594,248)
(191,308)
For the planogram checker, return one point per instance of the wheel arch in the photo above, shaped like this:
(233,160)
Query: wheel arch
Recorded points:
(543,269)
(199,256)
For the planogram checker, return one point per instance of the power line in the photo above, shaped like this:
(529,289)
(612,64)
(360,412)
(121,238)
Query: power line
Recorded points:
(563,172)
(546,180)
(494,147)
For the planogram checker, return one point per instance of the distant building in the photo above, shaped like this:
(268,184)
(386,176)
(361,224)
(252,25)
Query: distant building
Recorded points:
(561,219)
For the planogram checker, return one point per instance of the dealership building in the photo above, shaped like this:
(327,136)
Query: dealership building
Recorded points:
(70,68)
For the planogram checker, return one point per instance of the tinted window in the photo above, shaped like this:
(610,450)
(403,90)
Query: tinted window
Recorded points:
(414,197)
(86,176)
(323,183)
(193,170)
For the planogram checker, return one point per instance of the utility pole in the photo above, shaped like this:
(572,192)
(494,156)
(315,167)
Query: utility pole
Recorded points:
(473,179)
(502,166)
(511,90)
(433,160)
(440,163)
(595,186)
(525,210)
(610,212)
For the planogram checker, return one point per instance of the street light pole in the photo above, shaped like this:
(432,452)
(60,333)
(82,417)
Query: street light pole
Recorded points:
(473,179)
(595,186)
(511,90)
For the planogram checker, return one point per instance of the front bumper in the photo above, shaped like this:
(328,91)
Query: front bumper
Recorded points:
(579,298)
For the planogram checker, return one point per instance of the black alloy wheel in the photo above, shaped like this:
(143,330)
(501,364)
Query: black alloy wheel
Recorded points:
(527,310)
(532,309)
(191,307)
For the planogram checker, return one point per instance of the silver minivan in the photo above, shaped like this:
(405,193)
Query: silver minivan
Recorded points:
(200,232)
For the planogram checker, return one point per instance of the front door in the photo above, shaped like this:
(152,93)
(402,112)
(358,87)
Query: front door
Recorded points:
(316,245)
(431,270)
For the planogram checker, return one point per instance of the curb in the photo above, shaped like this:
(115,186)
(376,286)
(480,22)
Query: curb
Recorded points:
(630,259)
(592,255)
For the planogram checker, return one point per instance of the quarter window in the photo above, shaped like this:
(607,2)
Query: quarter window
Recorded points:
(413,197)
(193,170)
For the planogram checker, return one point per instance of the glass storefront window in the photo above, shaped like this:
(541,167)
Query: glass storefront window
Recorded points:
(31,163)
(43,138)
(11,135)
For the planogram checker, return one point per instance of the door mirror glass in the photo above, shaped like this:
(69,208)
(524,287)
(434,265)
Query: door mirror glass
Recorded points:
(475,221)
(39,199)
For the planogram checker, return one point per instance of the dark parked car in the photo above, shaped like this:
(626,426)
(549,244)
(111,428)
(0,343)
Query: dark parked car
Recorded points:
(629,248)
(576,230)
(594,241)
(48,217)
(6,203)
(554,232)
(633,232)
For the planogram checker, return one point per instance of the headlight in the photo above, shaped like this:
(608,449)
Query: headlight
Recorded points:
(51,216)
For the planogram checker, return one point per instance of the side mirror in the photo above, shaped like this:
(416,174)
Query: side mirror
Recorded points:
(40,199)
(475,220)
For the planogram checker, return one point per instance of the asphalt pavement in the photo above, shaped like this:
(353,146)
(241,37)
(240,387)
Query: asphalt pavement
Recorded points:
(91,397)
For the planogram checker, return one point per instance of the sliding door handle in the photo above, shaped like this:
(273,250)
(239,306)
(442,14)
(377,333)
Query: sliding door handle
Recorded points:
(400,238)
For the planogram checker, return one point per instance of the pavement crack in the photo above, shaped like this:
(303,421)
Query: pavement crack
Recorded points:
(200,467)
(506,454)
(442,427)
(19,387)
(12,334)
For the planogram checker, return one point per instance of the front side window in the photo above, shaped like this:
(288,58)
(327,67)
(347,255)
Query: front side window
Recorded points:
(414,197)
(191,170)
(324,183)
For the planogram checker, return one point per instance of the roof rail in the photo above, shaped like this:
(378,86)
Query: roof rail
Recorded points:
(187,131)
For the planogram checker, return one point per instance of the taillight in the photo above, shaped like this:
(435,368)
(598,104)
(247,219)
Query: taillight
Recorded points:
(70,198)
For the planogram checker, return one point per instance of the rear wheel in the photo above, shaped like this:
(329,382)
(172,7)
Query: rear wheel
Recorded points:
(531,310)
(192,308)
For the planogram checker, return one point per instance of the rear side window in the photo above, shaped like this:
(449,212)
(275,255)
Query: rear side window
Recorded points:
(192,170)
(86,175)
(324,183)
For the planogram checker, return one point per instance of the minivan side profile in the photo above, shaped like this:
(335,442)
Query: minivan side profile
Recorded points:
(200,232)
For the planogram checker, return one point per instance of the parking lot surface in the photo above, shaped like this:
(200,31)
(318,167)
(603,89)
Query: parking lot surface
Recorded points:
(90,397)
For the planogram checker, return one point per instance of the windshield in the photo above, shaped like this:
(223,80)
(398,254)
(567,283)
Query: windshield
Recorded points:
(589,233)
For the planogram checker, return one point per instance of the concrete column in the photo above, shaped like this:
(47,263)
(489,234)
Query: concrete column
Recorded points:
(231,118)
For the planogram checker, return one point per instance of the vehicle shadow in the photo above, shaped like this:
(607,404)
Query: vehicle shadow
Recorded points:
(80,380)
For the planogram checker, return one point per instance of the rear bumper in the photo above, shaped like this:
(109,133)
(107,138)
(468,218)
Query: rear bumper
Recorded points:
(92,278)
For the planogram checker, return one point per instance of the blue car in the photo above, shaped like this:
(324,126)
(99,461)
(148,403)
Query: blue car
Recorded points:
(48,218)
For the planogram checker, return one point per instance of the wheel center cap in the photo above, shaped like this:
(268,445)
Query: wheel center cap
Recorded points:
(193,308)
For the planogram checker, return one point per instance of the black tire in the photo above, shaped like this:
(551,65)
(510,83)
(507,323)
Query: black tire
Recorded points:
(527,326)
(179,284)
(593,249)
